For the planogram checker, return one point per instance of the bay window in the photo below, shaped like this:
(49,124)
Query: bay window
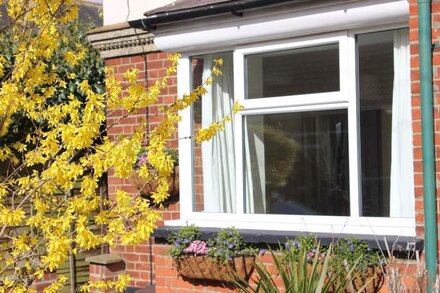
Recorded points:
(324,142)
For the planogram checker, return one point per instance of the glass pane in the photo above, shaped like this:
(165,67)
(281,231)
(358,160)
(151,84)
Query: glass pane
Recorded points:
(376,74)
(293,72)
(297,163)
(214,160)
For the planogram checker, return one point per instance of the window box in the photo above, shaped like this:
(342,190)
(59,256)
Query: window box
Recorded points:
(205,267)
(374,275)
(146,188)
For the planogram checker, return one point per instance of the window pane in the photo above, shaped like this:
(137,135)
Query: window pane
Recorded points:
(297,163)
(214,160)
(293,72)
(376,74)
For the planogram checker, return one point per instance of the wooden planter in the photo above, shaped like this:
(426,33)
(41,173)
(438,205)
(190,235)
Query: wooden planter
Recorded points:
(205,267)
(373,280)
(147,188)
(373,275)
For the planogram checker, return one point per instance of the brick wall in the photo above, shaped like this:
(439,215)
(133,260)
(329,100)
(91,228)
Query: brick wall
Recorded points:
(40,284)
(436,98)
(139,259)
(197,72)
(108,272)
(416,112)
(168,280)
(416,116)
(147,263)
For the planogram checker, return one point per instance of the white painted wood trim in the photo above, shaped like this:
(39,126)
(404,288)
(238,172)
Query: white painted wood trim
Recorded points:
(293,109)
(239,93)
(302,42)
(310,224)
(193,35)
(353,129)
(346,98)
(186,182)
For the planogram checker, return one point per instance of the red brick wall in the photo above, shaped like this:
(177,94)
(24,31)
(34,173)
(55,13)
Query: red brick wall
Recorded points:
(197,72)
(168,280)
(109,272)
(416,114)
(139,259)
(143,260)
(436,98)
(40,284)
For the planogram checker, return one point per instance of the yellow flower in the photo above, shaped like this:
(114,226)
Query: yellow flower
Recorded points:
(11,217)
(56,167)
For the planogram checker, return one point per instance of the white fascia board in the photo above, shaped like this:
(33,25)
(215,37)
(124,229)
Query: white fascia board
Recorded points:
(224,31)
(311,224)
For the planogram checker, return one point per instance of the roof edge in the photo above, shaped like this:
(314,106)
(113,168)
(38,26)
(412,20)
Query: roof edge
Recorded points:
(233,7)
(121,40)
(109,28)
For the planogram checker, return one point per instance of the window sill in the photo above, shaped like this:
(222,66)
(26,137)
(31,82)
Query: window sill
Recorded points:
(399,244)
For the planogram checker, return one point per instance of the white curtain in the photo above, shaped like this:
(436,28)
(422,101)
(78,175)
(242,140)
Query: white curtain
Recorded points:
(255,175)
(402,184)
(218,153)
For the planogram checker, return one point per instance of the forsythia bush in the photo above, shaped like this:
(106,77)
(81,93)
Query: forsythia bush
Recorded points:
(42,221)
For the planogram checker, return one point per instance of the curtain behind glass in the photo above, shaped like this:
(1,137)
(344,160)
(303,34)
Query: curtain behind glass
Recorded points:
(402,184)
(218,153)
(297,163)
(386,132)
(255,162)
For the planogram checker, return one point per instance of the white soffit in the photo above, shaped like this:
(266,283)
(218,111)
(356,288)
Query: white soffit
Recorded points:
(221,31)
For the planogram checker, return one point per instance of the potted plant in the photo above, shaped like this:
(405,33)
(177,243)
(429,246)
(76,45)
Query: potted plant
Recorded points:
(368,273)
(364,263)
(145,186)
(299,270)
(225,257)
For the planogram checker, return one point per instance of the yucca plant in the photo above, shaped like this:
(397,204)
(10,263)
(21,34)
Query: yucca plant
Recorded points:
(301,273)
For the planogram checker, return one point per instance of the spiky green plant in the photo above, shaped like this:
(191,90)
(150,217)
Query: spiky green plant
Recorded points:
(300,274)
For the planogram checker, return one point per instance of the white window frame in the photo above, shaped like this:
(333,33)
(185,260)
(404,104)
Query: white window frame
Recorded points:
(346,98)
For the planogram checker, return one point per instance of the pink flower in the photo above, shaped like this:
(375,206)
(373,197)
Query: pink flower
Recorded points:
(142,160)
(196,247)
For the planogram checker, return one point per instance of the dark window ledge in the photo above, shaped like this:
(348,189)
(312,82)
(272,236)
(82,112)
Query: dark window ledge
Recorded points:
(148,289)
(399,244)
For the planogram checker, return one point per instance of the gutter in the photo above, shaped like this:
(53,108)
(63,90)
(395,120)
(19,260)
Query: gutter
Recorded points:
(233,7)
(429,184)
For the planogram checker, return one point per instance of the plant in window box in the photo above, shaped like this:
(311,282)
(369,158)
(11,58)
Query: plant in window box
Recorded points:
(226,257)
(299,270)
(364,263)
(147,184)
